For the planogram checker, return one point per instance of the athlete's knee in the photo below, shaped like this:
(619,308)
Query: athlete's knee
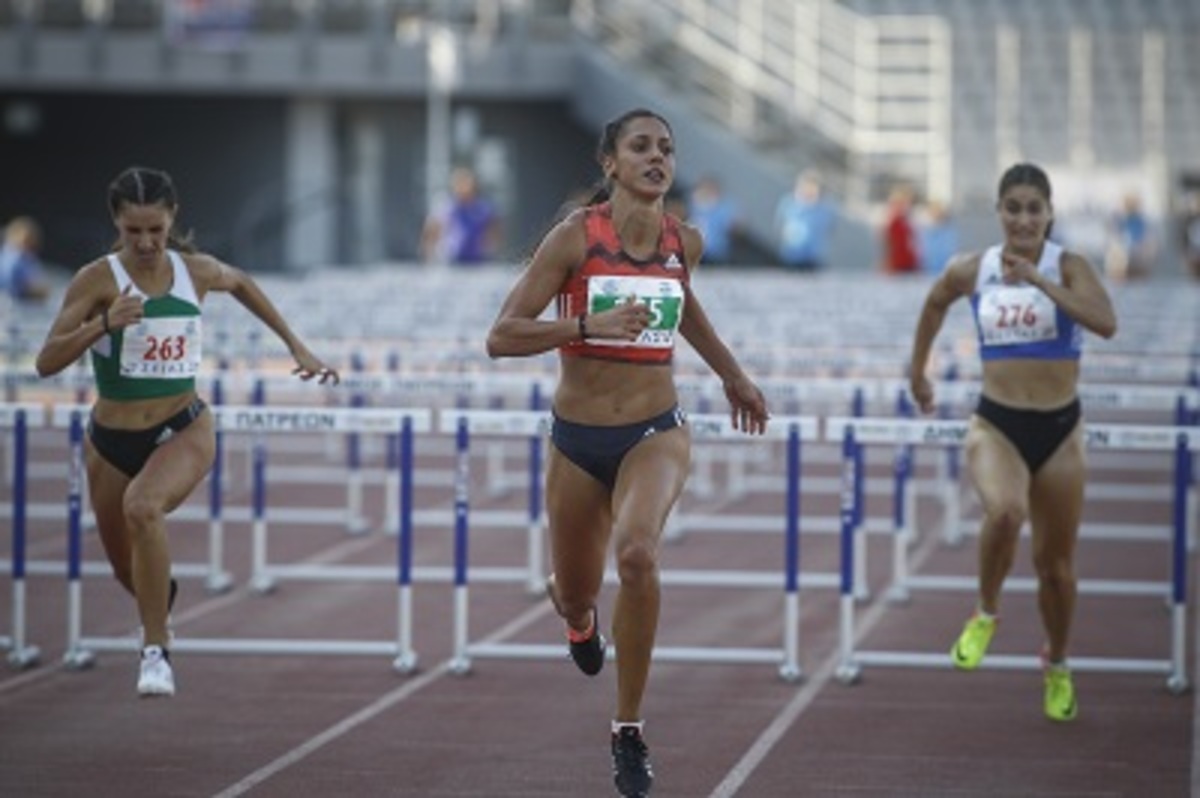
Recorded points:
(1054,572)
(1006,515)
(142,513)
(637,563)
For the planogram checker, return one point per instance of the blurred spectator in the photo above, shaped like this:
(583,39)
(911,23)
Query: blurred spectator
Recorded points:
(464,227)
(1189,239)
(1132,244)
(715,216)
(939,237)
(900,254)
(804,222)
(22,275)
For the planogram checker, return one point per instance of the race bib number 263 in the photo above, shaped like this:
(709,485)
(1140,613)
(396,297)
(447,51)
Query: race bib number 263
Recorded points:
(163,349)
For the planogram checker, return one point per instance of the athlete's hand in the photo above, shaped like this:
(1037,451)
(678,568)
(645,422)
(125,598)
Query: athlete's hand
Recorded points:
(125,310)
(922,392)
(624,322)
(1015,269)
(748,408)
(309,366)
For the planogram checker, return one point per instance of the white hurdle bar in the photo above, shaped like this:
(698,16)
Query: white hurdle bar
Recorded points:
(19,418)
(790,429)
(1183,441)
(263,420)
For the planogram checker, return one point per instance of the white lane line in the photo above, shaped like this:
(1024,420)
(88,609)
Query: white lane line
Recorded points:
(787,717)
(367,713)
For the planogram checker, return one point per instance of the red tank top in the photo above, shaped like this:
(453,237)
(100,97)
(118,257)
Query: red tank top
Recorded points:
(610,275)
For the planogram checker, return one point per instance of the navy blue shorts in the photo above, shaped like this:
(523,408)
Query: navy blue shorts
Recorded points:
(599,450)
(129,449)
(1037,434)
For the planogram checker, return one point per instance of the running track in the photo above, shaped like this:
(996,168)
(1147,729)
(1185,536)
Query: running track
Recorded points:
(333,726)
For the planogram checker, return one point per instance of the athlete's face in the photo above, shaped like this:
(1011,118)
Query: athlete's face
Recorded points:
(1025,215)
(143,230)
(644,163)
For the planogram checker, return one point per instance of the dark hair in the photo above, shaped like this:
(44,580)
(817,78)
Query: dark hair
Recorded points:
(1026,174)
(608,145)
(140,185)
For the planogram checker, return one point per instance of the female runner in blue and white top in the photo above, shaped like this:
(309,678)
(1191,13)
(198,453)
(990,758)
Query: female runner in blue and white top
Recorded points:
(1025,456)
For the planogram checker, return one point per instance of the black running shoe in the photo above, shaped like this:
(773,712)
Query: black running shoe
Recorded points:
(589,654)
(631,763)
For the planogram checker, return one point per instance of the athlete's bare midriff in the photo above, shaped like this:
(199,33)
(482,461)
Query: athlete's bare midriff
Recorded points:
(1031,384)
(606,393)
(135,414)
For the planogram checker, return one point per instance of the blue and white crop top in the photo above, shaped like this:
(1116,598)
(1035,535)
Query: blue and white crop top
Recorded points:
(1020,321)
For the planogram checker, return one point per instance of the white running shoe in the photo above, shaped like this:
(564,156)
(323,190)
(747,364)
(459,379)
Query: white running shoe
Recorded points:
(156,678)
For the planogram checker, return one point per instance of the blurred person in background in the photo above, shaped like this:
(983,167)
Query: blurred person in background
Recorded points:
(150,437)
(804,222)
(901,254)
(1032,301)
(22,274)
(938,236)
(464,227)
(1189,235)
(619,271)
(715,216)
(1132,243)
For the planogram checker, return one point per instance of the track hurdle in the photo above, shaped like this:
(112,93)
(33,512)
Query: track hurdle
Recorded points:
(19,418)
(254,419)
(1182,441)
(791,430)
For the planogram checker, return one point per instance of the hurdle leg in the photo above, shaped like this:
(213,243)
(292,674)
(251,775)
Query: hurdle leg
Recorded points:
(848,671)
(406,660)
(356,522)
(790,670)
(21,655)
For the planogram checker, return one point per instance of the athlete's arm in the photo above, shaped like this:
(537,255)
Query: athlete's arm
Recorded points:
(1081,295)
(210,274)
(80,320)
(518,331)
(748,407)
(956,281)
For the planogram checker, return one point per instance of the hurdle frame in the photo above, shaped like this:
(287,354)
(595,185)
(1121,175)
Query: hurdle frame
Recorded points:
(19,418)
(80,649)
(789,429)
(1183,441)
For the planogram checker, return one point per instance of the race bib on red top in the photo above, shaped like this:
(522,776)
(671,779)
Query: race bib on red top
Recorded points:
(663,297)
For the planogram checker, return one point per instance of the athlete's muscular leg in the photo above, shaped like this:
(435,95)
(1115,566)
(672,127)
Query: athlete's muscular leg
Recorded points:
(651,478)
(579,516)
(106,490)
(1056,505)
(170,475)
(1001,479)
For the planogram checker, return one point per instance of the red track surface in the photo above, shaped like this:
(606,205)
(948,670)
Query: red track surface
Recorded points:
(346,725)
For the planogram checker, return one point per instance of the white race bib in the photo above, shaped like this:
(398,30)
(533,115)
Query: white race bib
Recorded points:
(663,296)
(1019,314)
(161,349)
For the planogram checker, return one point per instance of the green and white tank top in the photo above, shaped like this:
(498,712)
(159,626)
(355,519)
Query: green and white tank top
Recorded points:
(160,355)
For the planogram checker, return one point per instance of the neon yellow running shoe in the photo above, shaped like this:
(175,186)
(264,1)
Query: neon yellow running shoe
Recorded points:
(1060,694)
(972,644)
